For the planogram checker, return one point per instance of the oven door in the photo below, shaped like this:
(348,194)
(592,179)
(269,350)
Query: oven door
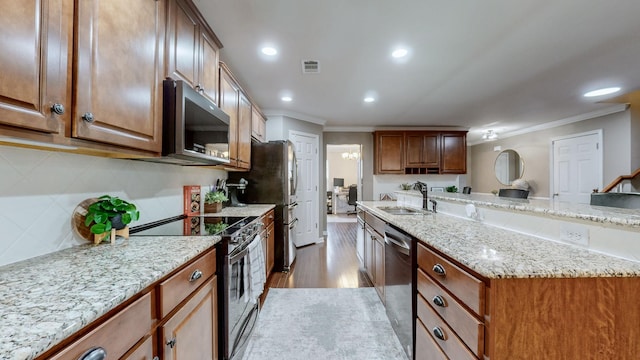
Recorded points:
(242,312)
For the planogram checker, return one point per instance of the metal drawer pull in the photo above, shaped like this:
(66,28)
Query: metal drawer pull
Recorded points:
(57,108)
(156,358)
(437,332)
(439,269)
(197,274)
(96,353)
(172,343)
(439,301)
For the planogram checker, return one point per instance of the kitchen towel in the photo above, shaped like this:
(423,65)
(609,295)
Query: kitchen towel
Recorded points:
(255,270)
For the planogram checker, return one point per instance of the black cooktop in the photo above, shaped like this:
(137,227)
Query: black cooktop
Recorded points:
(183,225)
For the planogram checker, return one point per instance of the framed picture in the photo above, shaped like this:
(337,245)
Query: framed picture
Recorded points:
(437,189)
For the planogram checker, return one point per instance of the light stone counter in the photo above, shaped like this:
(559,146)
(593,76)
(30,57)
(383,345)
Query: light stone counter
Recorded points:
(600,214)
(498,253)
(45,299)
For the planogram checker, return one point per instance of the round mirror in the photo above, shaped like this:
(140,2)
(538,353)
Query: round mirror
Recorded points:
(509,166)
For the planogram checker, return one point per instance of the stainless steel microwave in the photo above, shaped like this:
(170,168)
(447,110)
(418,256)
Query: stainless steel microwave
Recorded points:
(194,130)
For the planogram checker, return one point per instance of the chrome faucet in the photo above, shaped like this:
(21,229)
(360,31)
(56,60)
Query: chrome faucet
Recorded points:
(422,187)
(434,204)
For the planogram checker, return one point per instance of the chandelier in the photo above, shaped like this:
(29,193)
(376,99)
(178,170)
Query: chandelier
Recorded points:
(350,155)
(489,135)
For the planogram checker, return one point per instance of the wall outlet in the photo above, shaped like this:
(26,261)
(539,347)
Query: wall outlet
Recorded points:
(575,234)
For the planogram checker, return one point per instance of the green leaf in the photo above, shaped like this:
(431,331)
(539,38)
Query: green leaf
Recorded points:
(135,215)
(126,218)
(99,218)
(98,228)
(88,220)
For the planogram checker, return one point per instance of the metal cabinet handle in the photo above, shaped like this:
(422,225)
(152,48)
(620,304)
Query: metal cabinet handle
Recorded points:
(197,274)
(439,269)
(439,301)
(437,332)
(57,108)
(156,358)
(95,353)
(88,117)
(171,343)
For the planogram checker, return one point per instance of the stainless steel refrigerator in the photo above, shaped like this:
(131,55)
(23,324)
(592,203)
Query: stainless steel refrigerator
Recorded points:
(273,179)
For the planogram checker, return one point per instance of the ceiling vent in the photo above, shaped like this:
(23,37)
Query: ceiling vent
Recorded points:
(310,67)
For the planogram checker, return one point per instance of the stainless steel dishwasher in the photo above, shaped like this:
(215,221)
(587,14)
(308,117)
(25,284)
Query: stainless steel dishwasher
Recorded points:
(399,284)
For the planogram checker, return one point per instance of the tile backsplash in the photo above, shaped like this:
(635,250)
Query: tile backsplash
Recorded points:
(39,191)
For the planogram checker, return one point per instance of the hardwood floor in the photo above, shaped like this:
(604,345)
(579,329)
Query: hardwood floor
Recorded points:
(331,264)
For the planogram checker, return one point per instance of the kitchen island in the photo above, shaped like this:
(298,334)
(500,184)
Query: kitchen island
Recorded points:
(484,291)
(47,299)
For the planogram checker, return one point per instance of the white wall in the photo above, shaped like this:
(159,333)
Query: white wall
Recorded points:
(39,191)
(341,168)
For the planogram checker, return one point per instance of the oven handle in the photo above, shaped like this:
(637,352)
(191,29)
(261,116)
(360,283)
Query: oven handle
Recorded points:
(238,256)
(293,224)
(240,341)
(293,206)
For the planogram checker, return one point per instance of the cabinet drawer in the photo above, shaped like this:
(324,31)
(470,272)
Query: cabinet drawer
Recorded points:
(376,223)
(178,287)
(449,343)
(461,284)
(426,347)
(468,328)
(116,335)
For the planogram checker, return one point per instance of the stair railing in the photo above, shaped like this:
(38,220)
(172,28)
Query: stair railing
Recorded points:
(620,179)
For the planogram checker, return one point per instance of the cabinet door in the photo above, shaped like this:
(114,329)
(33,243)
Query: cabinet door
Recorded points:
(369,264)
(389,152)
(454,153)
(36,43)
(271,241)
(422,149)
(431,149)
(378,246)
(258,125)
(229,95)
(192,332)
(119,63)
(244,132)
(183,34)
(413,149)
(208,79)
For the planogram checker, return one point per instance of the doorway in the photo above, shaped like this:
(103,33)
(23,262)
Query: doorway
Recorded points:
(577,166)
(343,169)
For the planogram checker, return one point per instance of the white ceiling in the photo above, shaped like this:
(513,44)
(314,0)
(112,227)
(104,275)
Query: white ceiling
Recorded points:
(490,64)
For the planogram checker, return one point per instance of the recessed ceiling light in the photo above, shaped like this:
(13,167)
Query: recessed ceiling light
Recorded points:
(398,53)
(287,98)
(369,99)
(601,92)
(269,51)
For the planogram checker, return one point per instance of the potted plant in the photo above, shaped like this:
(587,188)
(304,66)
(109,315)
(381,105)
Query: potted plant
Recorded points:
(452,189)
(110,212)
(213,201)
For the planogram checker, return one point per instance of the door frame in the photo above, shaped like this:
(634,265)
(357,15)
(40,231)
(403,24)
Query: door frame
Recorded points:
(600,159)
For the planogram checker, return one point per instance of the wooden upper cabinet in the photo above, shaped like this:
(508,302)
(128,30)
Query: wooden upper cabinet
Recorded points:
(119,68)
(36,42)
(454,153)
(192,49)
(244,132)
(229,97)
(258,125)
(389,152)
(422,149)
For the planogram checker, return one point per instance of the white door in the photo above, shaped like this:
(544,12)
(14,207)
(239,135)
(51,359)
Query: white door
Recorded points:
(306,146)
(577,166)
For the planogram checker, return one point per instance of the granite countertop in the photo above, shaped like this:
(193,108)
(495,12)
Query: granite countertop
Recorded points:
(498,253)
(44,300)
(600,214)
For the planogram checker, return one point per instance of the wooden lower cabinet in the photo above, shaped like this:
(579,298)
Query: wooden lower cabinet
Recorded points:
(378,250)
(426,347)
(523,318)
(191,333)
(144,351)
(110,337)
(271,242)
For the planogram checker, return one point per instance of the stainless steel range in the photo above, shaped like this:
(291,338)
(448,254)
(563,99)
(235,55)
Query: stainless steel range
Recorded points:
(238,307)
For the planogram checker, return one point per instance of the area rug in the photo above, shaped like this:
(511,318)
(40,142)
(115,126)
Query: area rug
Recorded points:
(327,324)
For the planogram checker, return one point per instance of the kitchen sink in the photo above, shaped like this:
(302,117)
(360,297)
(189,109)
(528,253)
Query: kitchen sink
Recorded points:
(394,210)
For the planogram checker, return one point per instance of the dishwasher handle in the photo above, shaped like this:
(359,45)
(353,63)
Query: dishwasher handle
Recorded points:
(401,242)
